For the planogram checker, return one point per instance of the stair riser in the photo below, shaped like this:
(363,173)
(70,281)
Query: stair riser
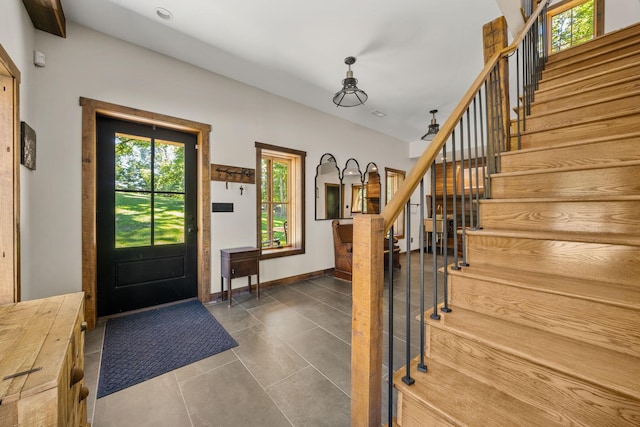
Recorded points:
(610,263)
(548,92)
(550,106)
(629,105)
(597,153)
(590,60)
(581,132)
(586,72)
(577,401)
(596,45)
(613,216)
(608,181)
(414,413)
(579,319)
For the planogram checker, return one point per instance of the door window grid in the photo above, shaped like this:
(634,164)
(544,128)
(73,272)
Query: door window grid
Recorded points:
(149,191)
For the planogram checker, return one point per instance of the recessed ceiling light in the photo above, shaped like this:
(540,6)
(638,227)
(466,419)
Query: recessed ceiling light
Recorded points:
(164,13)
(378,113)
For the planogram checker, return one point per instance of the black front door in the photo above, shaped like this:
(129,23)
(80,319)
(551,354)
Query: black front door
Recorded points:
(146,215)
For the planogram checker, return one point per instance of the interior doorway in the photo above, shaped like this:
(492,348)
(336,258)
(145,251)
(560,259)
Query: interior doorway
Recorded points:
(9,180)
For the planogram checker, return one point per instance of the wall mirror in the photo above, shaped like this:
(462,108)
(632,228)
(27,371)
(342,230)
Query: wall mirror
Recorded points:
(352,185)
(372,189)
(393,179)
(329,194)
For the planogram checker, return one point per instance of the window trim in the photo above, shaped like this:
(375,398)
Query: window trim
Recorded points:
(297,202)
(273,157)
(564,5)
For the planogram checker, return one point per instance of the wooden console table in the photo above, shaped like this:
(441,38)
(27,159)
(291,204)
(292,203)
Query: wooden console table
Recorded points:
(42,362)
(239,262)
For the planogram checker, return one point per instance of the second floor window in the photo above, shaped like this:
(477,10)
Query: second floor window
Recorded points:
(574,22)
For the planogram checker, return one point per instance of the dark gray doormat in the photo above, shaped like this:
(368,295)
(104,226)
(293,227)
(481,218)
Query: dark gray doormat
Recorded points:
(144,345)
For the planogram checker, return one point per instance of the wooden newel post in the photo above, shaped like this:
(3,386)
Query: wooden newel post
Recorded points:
(366,318)
(494,38)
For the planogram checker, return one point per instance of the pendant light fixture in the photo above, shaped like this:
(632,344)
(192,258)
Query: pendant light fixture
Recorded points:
(350,95)
(434,127)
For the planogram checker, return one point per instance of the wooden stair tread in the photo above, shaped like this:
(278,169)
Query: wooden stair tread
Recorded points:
(607,368)
(549,85)
(614,198)
(463,400)
(630,135)
(589,88)
(567,169)
(583,113)
(586,68)
(593,54)
(603,238)
(598,291)
(596,58)
(595,101)
(588,96)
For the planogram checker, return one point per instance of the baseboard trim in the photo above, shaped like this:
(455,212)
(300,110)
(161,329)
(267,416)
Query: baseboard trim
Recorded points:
(277,282)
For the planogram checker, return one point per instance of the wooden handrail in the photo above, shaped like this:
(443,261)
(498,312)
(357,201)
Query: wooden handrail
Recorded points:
(393,209)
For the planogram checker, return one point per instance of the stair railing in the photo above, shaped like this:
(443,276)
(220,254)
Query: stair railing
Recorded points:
(473,136)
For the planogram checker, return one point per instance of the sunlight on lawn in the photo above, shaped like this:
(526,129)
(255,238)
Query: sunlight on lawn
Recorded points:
(133,219)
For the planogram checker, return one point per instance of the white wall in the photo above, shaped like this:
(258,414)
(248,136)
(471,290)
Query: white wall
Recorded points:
(620,13)
(93,65)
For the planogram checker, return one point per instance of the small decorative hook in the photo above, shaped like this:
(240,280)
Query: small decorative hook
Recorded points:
(241,189)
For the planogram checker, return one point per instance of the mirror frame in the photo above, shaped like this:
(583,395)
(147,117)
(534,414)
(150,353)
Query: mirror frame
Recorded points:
(324,159)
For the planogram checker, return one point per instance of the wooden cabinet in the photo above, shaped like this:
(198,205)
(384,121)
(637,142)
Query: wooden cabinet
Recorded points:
(239,262)
(42,362)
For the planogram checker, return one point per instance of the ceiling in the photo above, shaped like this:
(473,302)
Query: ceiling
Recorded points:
(412,55)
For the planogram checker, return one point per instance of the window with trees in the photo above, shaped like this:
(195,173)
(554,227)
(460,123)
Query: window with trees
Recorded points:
(280,201)
(573,22)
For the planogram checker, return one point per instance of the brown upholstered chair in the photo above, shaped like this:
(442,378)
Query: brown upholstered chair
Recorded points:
(343,250)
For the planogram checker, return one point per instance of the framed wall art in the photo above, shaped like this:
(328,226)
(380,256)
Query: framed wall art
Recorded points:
(27,146)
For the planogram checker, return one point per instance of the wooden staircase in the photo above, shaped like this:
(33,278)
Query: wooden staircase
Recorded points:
(545,321)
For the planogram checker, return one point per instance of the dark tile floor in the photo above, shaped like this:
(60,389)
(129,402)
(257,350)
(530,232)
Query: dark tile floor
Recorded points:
(291,366)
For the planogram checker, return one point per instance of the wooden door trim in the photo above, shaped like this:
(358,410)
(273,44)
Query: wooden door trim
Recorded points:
(10,196)
(90,108)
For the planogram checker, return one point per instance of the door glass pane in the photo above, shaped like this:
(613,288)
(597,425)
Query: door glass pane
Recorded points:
(168,219)
(169,166)
(133,162)
(133,219)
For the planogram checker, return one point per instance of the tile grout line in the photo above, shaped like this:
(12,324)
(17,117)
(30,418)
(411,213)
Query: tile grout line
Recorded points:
(95,398)
(184,401)
(264,389)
